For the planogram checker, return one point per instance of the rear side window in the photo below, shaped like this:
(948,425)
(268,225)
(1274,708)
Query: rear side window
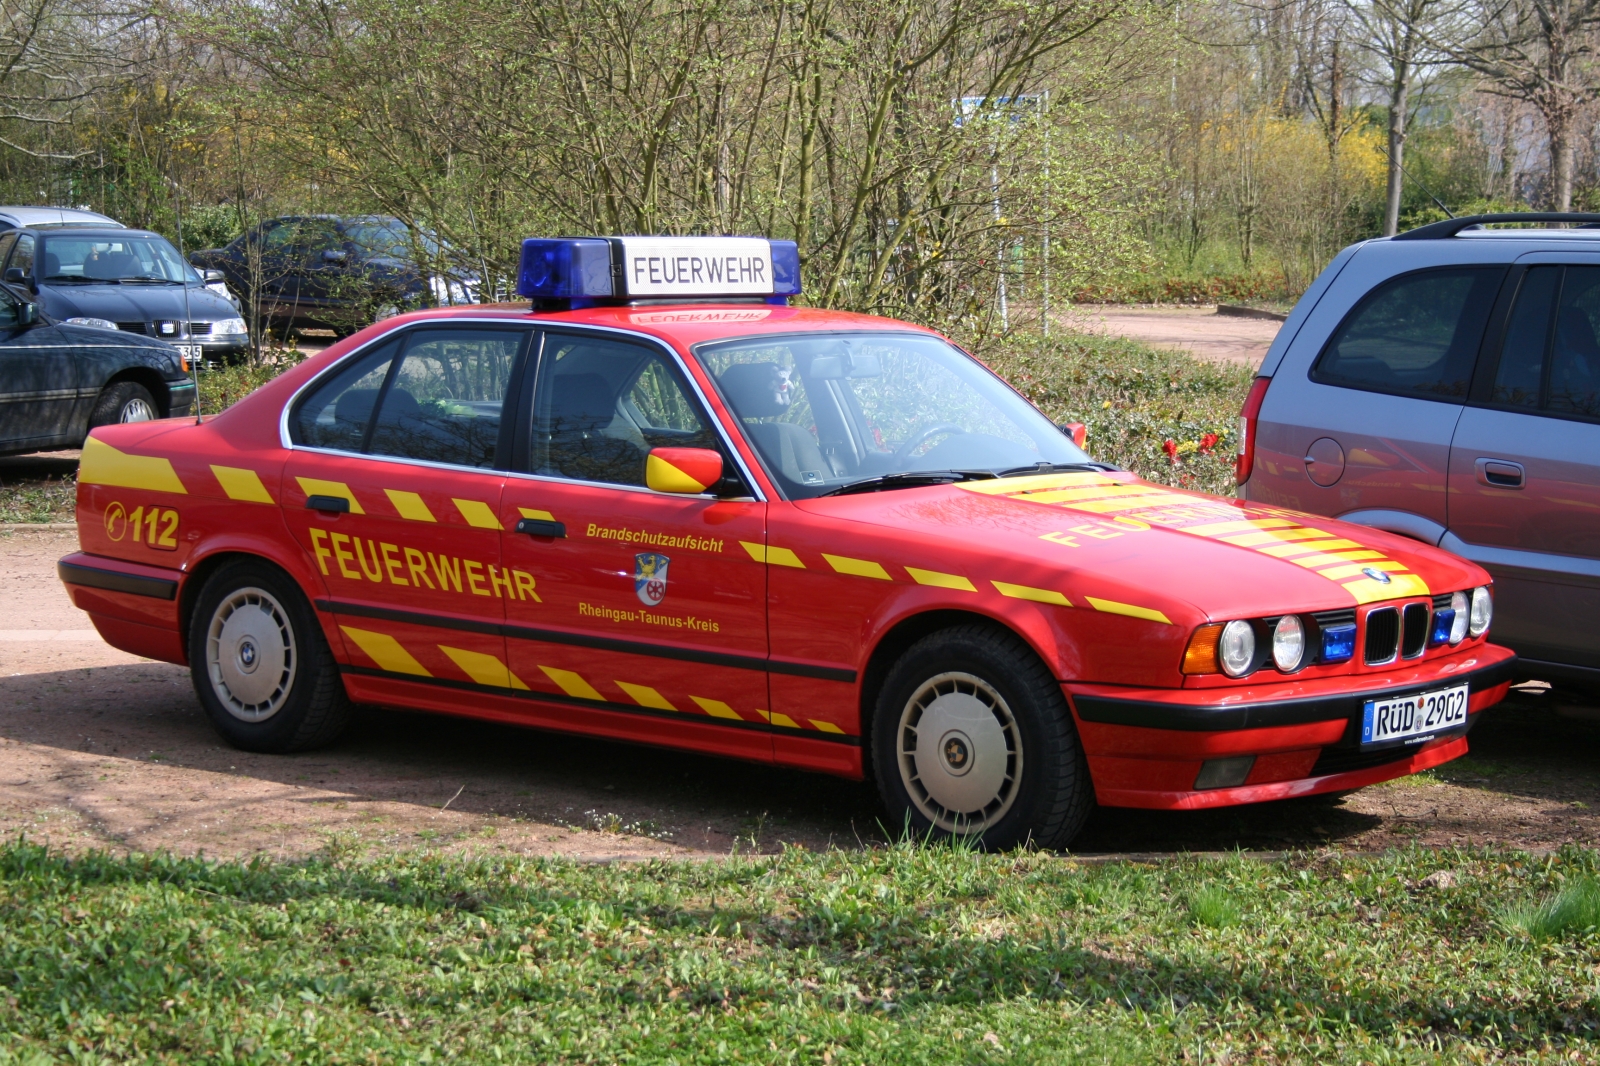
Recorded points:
(1415,335)
(1550,360)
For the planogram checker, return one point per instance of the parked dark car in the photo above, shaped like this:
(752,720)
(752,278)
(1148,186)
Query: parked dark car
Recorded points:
(58,381)
(1445,384)
(127,280)
(336,272)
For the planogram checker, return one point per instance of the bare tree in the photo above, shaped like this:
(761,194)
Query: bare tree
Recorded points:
(1538,51)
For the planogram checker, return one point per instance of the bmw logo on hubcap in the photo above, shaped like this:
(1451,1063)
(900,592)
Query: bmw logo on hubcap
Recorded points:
(1375,574)
(247,654)
(957,752)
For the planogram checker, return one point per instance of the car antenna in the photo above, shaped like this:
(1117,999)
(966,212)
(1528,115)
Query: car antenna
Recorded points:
(188,326)
(1426,191)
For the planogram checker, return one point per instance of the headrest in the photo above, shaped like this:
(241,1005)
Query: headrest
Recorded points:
(355,406)
(756,390)
(581,402)
(52,264)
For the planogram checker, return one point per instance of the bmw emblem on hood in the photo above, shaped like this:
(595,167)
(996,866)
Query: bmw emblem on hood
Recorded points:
(1375,574)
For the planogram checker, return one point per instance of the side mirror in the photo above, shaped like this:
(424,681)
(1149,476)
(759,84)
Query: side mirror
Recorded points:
(213,275)
(16,276)
(684,471)
(27,315)
(1077,431)
(334,255)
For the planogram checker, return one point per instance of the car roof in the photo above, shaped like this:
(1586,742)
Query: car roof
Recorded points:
(686,324)
(41,217)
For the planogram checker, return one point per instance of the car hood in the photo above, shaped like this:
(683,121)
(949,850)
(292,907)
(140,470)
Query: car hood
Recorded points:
(134,303)
(1187,556)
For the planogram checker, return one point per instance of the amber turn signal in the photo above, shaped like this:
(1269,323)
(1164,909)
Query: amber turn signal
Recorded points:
(1200,657)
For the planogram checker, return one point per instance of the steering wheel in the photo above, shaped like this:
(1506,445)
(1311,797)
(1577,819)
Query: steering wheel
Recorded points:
(904,451)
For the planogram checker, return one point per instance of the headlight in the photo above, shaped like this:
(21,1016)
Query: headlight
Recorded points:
(229,327)
(1236,651)
(1482,611)
(1458,626)
(97,323)
(1288,643)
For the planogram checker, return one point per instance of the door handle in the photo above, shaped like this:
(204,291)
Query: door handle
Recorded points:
(332,504)
(1501,474)
(541,527)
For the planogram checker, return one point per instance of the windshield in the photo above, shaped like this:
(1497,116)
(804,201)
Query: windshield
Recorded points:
(114,259)
(827,410)
(390,237)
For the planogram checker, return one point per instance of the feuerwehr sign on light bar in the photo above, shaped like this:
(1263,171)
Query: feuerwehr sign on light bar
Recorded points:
(693,266)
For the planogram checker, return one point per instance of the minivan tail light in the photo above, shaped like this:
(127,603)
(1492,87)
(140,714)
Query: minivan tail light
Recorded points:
(1247,429)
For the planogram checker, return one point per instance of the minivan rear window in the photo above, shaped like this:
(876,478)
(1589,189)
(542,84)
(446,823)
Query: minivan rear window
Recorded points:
(1417,334)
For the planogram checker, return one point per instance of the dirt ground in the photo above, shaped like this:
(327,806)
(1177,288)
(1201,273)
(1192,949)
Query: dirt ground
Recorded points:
(1200,331)
(99,749)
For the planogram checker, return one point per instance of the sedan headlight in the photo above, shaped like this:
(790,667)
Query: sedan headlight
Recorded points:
(229,327)
(1288,643)
(1482,611)
(1236,650)
(1461,605)
(97,323)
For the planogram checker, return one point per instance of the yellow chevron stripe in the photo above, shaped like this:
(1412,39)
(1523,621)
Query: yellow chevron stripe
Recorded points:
(1025,592)
(1113,607)
(763,553)
(643,695)
(717,709)
(938,580)
(1216,529)
(534,512)
(101,464)
(858,567)
(1276,536)
(1366,590)
(384,650)
(410,505)
(826,727)
(484,669)
(477,513)
(317,487)
(241,484)
(572,684)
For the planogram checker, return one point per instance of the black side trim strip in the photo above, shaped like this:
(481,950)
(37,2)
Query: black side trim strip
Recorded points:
(156,588)
(605,705)
(1152,715)
(552,636)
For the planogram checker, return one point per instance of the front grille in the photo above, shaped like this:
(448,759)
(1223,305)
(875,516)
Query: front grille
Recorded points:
(131,327)
(1414,636)
(1343,760)
(1383,635)
(1345,617)
(1441,602)
(200,329)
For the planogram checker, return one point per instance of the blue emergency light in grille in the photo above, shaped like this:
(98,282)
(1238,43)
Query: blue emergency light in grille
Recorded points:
(574,272)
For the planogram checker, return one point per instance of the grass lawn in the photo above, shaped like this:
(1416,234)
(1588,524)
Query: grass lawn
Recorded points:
(899,956)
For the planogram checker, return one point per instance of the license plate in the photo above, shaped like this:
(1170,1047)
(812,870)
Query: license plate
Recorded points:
(1414,719)
(188,351)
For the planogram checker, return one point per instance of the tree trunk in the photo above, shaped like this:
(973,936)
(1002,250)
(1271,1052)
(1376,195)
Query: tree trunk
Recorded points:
(1560,128)
(1399,105)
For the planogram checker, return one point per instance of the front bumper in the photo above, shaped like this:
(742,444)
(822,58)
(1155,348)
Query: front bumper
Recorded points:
(1145,747)
(180,398)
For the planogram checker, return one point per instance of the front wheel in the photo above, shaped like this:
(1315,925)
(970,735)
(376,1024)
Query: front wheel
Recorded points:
(973,738)
(260,664)
(126,401)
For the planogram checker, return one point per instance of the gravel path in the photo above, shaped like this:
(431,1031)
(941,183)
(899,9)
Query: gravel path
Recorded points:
(1200,331)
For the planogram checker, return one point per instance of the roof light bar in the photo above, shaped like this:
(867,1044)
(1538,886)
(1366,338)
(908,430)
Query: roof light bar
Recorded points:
(571,272)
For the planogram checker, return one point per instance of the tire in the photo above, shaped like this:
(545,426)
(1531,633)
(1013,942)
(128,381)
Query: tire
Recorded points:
(126,401)
(1003,767)
(261,665)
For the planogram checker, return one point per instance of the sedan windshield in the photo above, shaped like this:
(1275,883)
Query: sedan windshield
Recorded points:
(111,260)
(390,237)
(829,411)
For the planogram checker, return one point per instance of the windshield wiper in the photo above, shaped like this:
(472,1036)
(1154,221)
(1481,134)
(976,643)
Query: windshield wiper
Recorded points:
(152,277)
(66,277)
(909,479)
(1057,468)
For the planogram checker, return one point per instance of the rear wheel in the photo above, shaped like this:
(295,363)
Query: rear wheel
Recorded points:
(260,664)
(126,401)
(973,738)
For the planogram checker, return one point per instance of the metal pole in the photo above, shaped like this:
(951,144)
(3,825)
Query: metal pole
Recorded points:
(1044,268)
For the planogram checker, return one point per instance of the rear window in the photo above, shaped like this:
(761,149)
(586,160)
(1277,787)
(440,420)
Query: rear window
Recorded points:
(1415,335)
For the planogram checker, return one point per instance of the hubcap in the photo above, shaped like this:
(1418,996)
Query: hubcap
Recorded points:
(960,752)
(250,654)
(137,410)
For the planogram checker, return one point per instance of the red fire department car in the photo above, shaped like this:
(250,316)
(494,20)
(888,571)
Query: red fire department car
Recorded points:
(663,505)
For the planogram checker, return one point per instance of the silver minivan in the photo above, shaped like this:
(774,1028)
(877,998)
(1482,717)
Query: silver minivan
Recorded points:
(1445,384)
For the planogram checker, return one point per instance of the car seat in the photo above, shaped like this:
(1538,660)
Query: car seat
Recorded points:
(758,391)
(52,264)
(582,406)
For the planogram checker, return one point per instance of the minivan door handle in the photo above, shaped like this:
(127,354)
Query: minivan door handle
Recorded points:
(1501,474)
